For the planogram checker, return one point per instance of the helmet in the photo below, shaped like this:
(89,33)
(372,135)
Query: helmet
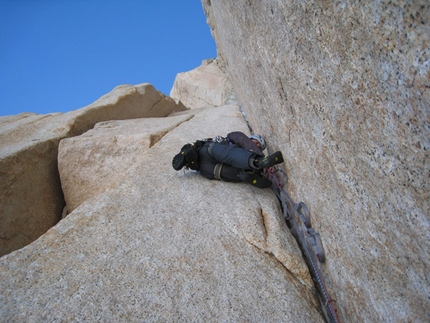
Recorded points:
(260,139)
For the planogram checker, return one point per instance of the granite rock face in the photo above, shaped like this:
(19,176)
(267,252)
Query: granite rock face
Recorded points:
(31,199)
(145,243)
(97,160)
(342,88)
(206,85)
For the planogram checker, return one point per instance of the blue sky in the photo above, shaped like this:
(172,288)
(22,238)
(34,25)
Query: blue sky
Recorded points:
(61,55)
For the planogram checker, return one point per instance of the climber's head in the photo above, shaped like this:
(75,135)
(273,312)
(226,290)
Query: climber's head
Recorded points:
(259,141)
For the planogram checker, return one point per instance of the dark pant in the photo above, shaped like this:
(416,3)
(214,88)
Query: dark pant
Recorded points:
(223,161)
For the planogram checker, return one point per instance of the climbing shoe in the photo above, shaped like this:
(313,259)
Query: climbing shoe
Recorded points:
(188,157)
(268,161)
(254,179)
(179,161)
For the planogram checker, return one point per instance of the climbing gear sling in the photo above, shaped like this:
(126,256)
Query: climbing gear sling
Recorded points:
(298,220)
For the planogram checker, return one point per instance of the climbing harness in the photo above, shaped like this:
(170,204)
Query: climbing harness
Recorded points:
(298,220)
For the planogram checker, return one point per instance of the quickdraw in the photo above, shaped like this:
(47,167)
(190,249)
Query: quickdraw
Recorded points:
(298,220)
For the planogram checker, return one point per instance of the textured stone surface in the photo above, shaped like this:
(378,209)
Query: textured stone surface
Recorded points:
(206,85)
(31,200)
(97,160)
(162,245)
(342,88)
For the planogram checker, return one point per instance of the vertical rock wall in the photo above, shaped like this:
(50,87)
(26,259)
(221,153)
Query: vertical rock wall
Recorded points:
(342,88)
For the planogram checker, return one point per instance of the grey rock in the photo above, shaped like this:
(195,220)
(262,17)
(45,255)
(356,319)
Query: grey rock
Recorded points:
(341,88)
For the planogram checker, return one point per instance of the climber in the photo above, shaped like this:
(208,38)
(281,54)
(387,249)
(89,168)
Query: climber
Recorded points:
(235,158)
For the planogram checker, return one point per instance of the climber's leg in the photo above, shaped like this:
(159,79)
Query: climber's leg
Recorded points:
(231,155)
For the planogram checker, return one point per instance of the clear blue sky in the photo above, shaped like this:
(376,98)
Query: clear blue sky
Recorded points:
(61,55)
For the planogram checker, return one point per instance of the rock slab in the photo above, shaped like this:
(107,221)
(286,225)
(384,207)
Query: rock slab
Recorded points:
(159,245)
